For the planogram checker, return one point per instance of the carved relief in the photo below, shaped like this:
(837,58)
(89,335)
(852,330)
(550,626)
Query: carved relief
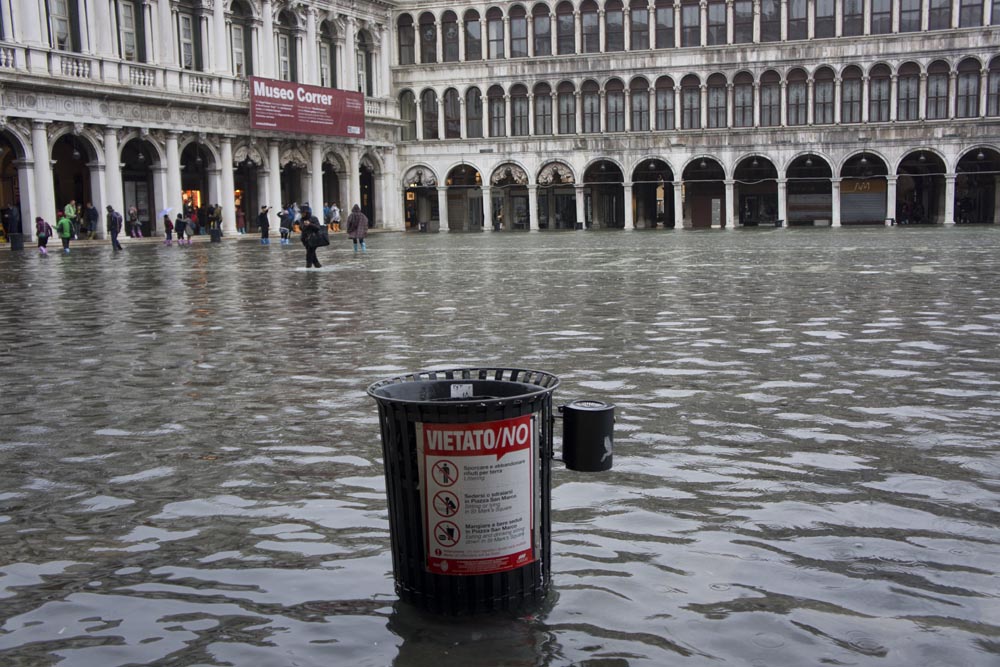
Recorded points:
(418,177)
(294,156)
(555,173)
(509,174)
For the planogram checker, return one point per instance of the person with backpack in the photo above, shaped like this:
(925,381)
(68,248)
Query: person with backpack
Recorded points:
(43,230)
(312,236)
(115,223)
(357,228)
(64,227)
(285,227)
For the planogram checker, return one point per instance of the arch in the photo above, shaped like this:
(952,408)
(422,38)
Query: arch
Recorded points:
(808,190)
(705,194)
(920,187)
(976,184)
(406,39)
(755,191)
(465,197)
(554,173)
(653,193)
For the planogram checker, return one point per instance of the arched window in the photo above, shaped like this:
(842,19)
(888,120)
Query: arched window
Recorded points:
(408,114)
(614,101)
(993,87)
(590,27)
(664,24)
(328,55)
(288,56)
(717,100)
(690,103)
(429,109)
(565,29)
(743,100)
(497,108)
(541,24)
(449,34)
(494,33)
(473,36)
(131,42)
(543,109)
(428,38)
(638,25)
(908,92)
(937,90)
(854,18)
(967,100)
(614,26)
(939,14)
(518,32)
(404,31)
(798,19)
(823,96)
(474,113)
(591,98)
(567,108)
(452,115)
(665,111)
(878,94)
(241,39)
(850,96)
(798,93)
(770,99)
(690,23)
(519,111)
(639,97)
(365,53)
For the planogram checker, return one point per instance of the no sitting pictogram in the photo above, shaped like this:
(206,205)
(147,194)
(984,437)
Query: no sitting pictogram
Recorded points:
(446,503)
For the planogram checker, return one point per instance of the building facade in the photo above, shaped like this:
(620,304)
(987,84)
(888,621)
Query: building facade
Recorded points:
(536,115)
(146,104)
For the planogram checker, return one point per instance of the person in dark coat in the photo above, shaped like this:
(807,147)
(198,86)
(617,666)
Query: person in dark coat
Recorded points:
(310,236)
(357,228)
(115,222)
(180,226)
(264,225)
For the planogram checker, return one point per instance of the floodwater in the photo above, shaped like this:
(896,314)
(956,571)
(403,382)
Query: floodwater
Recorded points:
(806,461)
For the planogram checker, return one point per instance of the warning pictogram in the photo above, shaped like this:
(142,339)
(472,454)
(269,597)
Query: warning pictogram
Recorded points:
(477,490)
(445,503)
(444,473)
(447,534)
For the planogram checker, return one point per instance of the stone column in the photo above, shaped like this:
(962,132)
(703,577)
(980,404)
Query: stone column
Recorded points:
(507,115)
(677,107)
(581,217)
(836,100)
(628,110)
(629,214)
(893,97)
(602,33)
(756,104)
(221,46)
(890,199)
(949,199)
(602,111)
(864,98)
(355,167)
(316,184)
(577,32)
(533,207)
(756,21)
(678,205)
(627,27)
(811,20)
(730,105)
(731,216)
(703,23)
(784,22)
(487,208)
(310,52)
(553,35)
(350,56)
(267,58)
(45,204)
(784,102)
(983,83)
(866,12)
(955,7)
(420,120)
(895,16)
(703,92)
(439,42)
(172,197)
(168,47)
(441,124)
(783,200)
(835,202)
(442,193)
(922,104)
(208,57)
(952,92)
(113,171)
(227,198)
(530,30)
(730,18)
(810,99)
(579,111)
(274,176)
(838,19)
(462,120)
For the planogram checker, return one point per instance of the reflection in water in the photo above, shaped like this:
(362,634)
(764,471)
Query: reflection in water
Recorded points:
(805,466)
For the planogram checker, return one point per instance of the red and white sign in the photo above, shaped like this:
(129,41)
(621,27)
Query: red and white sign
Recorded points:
(477,489)
(295,107)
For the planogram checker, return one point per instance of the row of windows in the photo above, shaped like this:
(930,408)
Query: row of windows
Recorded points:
(769,101)
(66,32)
(638,25)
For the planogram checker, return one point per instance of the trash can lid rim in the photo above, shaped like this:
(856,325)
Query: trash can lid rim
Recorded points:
(458,375)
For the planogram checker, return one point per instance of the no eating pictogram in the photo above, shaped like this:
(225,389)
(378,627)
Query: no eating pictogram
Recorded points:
(447,534)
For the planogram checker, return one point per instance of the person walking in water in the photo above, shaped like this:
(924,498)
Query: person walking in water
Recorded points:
(168,228)
(357,228)
(64,227)
(43,231)
(311,237)
(264,225)
(180,224)
(115,224)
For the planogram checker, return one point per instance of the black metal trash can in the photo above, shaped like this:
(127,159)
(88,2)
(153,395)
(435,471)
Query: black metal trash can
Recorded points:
(216,235)
(16,241)
(467,457)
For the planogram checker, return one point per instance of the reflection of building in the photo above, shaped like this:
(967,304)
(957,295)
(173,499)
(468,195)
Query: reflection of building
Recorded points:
(669,113)
(544,115)
(146,104)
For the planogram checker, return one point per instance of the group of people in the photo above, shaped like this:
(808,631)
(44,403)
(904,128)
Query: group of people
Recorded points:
(314,233)
(66,231)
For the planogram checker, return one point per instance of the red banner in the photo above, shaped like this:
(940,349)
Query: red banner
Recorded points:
(285,106)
